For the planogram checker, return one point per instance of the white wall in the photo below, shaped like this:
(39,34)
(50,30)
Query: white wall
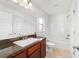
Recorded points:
(58,31)
(15,21)
(23,20)
(72,17)
(76,28)
(5,23)
(62,25)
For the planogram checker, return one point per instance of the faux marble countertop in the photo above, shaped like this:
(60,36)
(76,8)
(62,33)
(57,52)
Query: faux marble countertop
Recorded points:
(9,51)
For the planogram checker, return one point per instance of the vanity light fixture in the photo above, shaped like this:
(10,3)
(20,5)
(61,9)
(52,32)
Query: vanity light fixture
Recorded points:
(24,3)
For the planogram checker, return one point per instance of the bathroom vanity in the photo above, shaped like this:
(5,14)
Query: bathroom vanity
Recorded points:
(36,49)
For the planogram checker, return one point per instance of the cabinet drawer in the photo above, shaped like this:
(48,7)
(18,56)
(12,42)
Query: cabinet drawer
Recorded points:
(33,48)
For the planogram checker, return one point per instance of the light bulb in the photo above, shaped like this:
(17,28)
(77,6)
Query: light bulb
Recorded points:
(24,3)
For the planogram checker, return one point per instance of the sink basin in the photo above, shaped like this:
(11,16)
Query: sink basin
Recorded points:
(25,42)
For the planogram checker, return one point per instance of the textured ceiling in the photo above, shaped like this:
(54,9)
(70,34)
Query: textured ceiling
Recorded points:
(50,7)
(54,6)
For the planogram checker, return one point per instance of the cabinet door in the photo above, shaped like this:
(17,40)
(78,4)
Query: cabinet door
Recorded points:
(36,54)
(21,55)
(43,51)
(43,48)
(33,48)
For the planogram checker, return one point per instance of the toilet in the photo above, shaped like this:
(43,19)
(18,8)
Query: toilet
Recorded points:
(50,46)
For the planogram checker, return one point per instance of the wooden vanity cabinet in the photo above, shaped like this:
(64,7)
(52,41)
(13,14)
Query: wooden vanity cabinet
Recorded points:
(37,50)
(34,51)
(36,54)
(43,48)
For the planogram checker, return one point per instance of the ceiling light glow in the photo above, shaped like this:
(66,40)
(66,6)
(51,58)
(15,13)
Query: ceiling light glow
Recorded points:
(24,3)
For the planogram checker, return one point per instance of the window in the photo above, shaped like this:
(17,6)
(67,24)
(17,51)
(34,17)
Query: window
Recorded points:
(41,24)
(5,23)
